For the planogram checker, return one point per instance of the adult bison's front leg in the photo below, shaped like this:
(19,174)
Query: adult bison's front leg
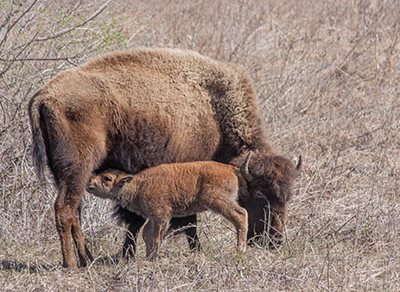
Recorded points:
(67,215)
(135,223)
(188,226)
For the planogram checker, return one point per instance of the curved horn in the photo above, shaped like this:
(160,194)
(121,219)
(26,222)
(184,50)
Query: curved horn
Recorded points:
(245,167)
(300,161)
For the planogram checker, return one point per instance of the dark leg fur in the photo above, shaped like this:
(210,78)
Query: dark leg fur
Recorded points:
(135,222)
(188,226)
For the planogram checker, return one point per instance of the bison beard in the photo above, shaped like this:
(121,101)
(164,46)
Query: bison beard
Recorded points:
(136,109)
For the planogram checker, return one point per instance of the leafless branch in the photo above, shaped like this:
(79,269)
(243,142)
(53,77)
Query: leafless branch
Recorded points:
(16,21)
(68,59)
(62,32)
(9,60)
(19,53)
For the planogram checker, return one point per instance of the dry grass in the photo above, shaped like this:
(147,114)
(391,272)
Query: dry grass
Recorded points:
(328,78)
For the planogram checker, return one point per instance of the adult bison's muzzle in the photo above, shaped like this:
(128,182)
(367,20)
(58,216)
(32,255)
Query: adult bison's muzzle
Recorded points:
(270,178)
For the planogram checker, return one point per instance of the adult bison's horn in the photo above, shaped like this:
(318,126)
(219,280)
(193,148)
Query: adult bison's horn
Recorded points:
(245,168)
(299,163)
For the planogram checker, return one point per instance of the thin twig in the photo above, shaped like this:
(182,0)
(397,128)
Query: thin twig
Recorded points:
(60,33)
(16,21)
(19,53)
(68,59)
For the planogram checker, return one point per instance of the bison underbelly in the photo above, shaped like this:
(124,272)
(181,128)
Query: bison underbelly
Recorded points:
(147,143)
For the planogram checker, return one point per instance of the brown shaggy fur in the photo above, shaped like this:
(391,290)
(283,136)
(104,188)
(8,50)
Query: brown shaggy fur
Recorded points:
(141,108)
(270,186)
(176,190)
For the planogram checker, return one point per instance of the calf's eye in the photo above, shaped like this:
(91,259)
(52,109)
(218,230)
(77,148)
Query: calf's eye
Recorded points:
(107,178)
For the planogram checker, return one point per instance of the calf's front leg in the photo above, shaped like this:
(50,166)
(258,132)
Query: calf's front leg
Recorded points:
(153,233)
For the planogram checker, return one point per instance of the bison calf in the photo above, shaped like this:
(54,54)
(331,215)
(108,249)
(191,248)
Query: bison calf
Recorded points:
(176,190)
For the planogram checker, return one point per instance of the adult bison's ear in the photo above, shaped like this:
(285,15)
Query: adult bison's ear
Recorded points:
(124,181)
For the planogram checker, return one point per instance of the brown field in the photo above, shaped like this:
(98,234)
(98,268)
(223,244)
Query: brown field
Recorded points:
(327,74)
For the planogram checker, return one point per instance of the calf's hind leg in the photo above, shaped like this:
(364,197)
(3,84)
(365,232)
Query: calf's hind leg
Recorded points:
(236,215)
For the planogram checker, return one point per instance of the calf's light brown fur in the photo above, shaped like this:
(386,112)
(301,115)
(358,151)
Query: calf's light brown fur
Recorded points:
(176,190)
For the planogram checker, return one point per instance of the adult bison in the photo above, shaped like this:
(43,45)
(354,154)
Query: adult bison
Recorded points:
(136,109)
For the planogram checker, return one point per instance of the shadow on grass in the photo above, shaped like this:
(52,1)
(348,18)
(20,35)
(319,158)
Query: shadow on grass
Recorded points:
(11,265)
(109,260)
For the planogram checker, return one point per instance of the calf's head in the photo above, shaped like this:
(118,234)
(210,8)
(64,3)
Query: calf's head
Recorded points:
(107,183)
(269,179)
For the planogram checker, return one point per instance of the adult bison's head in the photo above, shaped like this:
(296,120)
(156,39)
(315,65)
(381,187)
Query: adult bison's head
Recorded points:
(269,179)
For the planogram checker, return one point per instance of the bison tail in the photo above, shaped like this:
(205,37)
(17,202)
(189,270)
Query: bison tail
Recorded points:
(39,156)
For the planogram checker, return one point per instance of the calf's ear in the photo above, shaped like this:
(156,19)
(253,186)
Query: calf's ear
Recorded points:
(125,180)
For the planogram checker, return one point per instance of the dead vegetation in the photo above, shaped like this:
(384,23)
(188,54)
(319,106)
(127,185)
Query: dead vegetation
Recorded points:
(327,76)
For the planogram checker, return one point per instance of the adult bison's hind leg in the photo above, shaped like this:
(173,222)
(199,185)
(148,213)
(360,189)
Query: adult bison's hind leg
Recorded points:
(67,215)
(74,146)
(64,216)
(83,251)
